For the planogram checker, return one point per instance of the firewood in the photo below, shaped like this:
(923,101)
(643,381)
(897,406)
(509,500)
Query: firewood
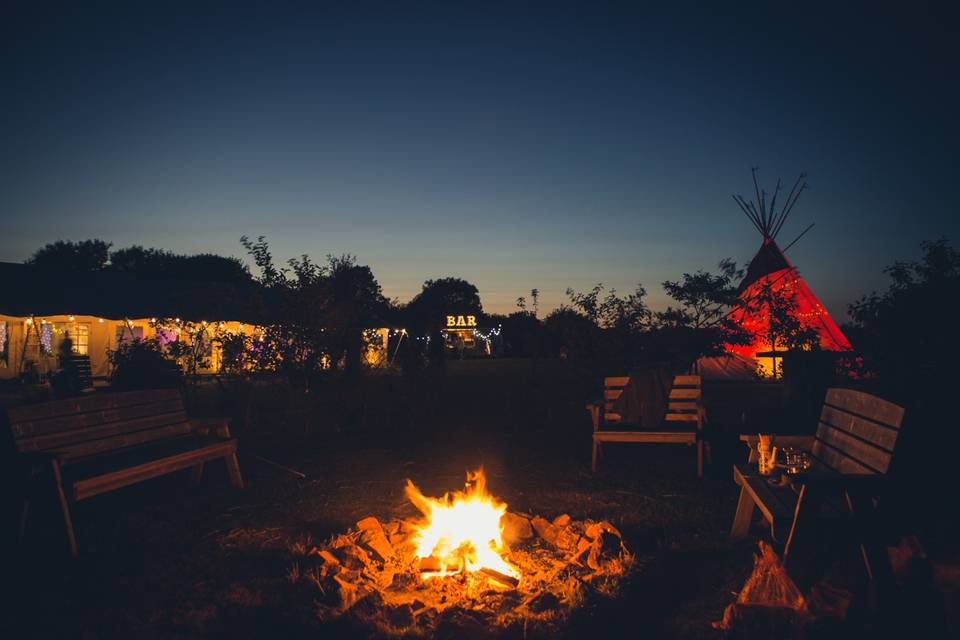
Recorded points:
(545,529)
(567,538)
(378,543)
(430,564)
(369,523)
(502,578)
(561,521)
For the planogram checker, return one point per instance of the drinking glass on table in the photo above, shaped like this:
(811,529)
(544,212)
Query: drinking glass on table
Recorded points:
(796,460)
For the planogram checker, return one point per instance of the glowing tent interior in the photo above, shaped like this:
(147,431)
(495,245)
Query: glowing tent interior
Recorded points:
(771,267)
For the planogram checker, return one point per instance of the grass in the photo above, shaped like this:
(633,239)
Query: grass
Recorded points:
(166,560)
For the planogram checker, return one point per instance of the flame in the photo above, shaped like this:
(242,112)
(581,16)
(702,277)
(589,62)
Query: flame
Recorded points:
(462,528)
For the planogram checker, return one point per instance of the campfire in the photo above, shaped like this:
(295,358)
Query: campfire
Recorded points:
(466,565)
(462,532)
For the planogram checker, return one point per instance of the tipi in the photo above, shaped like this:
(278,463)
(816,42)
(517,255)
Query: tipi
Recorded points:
(770,265)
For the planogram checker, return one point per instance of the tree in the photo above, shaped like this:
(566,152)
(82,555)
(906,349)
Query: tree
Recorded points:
(785,331)
(199,267)
(572,333)
(619,323)
(906,335)
(438,298)
(354,301)
(87,255)
(699,325)
(624,314)
(318,312)
(704,297)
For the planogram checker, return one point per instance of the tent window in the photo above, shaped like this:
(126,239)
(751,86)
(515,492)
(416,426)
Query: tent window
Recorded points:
(126,333)
(79,333)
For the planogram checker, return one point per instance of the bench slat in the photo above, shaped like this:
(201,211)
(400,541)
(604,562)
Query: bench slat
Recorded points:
(67,440)
(87,404)
(666,437)
(866,405)
(882,436)
(89,419)
(104,445)
(837,461)
(89,487)
(861,451)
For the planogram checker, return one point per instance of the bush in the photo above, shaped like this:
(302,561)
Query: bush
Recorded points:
(142,364)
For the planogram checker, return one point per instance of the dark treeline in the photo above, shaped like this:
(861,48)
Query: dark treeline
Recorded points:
(92,255)
(602,326)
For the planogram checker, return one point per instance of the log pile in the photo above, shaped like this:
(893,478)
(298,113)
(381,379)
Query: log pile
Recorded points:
(373,575)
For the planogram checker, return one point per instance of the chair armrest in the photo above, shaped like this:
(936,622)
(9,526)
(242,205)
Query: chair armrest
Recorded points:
(203,426)
(595,408)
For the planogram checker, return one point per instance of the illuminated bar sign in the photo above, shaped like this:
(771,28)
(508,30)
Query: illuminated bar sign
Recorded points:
(455,322)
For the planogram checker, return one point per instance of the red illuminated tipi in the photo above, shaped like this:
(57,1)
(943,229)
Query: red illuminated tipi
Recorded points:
(771,266)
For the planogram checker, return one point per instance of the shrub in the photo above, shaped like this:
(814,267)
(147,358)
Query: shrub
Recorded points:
(142,364)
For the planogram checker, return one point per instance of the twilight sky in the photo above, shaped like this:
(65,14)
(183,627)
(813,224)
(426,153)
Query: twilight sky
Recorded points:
(514,144)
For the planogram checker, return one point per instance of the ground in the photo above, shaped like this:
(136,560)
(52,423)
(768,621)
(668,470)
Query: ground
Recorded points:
(167,560)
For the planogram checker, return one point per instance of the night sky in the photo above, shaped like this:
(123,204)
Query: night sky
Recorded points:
(517,145)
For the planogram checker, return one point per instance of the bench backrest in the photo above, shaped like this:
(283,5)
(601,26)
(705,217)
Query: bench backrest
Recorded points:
(79,428)
(684,402)
(612,389)
(857,432)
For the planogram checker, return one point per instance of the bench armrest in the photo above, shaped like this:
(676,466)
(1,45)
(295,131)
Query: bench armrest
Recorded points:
(595,409)
(203,426)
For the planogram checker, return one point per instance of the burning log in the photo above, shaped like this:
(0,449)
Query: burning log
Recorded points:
(431,564)
(516,528)
(502,578)
(467,566)
(545,529)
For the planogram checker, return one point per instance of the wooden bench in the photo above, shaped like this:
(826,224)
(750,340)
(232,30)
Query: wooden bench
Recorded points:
(684,407)
(851,453)
(99,443)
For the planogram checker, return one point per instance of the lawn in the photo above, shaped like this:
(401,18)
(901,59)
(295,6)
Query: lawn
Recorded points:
(167,560)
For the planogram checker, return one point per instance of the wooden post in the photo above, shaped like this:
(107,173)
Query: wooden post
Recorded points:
(876,561)
(25,510)
(744,514)
(64,506)
(595,410)
(196,473)
(808,503)
(233,468)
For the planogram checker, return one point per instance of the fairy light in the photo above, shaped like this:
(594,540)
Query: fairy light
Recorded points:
(46,337)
